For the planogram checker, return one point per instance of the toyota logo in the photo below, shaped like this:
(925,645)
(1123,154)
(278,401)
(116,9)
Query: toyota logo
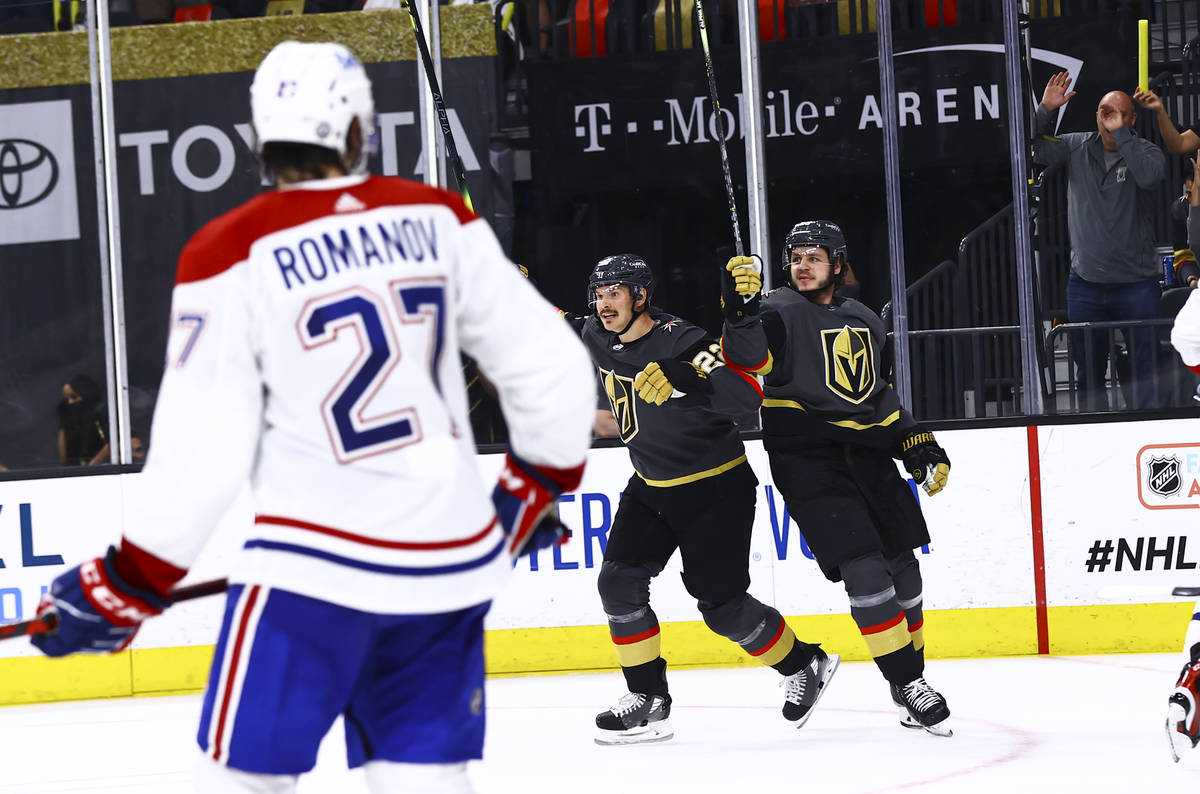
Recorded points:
(28,173)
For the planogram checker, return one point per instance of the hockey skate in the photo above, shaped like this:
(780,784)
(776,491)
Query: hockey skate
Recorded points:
(805,688)
(922,707)
(637,718)
(1183,723)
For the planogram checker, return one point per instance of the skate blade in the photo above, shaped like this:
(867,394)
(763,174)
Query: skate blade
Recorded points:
(834,661)
(910,722)
(659,731)
(1178,741)
(941,729)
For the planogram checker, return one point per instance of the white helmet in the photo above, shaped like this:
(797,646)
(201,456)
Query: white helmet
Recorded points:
(309,93)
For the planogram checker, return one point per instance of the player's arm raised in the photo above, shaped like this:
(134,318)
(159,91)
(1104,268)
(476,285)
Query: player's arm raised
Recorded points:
(750,341)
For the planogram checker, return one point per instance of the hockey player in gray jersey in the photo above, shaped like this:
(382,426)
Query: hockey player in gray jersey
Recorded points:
(831,425)
(674,404)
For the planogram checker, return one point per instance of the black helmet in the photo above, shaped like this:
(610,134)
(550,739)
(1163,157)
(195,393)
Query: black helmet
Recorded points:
(629,269)
(824,234)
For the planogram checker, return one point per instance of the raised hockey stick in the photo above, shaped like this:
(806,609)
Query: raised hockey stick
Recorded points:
(456,163)
(1119,591)
(720,118)
(47,622)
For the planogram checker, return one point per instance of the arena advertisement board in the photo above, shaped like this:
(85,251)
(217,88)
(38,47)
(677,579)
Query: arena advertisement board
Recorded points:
(38,198)
(1078,511)
(647,120)
(1115,511)
(977,558)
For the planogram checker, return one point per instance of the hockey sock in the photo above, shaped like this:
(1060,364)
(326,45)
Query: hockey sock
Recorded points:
(776,646)
(889,644)
(760,630)
(906,574)
(636,638)
(649,678)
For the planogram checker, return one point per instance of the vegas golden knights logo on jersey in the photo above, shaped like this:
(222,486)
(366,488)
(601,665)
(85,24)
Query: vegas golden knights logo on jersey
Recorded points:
(849,362)
(624,407)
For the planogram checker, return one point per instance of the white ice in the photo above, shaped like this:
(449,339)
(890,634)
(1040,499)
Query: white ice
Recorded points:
(1029,724)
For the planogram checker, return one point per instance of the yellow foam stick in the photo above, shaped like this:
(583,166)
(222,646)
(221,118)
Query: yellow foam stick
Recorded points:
(1143,54)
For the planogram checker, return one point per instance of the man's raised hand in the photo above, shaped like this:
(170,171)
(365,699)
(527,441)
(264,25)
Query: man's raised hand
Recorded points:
(1056,94)
(1148,100)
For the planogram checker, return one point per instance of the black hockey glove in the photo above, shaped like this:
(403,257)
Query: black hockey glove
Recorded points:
(741,284)
(661,379)
(925,460)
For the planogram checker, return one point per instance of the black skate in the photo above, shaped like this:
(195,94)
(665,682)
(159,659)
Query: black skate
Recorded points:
(1183,723)
(805,688)
(922,707)
(635,719)
(906,719)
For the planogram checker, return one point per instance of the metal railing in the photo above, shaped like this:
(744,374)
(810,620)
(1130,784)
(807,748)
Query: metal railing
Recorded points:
(987,262)
(1143,375)
(932,303)
(966,373)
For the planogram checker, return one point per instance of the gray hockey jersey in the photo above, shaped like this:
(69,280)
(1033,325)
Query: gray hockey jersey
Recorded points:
(687,438)
(824,371)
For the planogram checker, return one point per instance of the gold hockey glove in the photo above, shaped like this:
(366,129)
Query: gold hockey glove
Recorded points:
(926,461)
(659,381)
(747,275)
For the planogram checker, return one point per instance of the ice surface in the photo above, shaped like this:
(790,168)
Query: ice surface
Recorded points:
(1030,724)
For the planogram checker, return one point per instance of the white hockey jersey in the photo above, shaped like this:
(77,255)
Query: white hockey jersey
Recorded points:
(1185,334)
(314,350)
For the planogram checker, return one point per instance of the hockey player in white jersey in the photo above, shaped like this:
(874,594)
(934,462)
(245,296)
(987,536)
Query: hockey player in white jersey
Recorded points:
(1183,705)
(315,352)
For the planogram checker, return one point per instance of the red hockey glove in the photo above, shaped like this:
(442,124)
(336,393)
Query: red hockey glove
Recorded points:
(526,500)
(98,611)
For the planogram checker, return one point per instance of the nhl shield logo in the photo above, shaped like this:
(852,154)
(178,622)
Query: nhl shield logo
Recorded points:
(849,362)
(624,406)
(1162,475)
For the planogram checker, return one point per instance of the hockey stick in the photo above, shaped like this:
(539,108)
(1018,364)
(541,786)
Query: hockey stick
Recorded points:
(47,622)
(456,163)
(1147,591)
(720,118)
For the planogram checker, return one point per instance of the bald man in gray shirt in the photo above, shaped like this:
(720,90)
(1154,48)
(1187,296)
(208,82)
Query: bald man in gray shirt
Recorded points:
(1111,174)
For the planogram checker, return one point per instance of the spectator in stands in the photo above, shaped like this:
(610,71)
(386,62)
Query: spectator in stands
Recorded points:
(81,431)
(1114,268)
(1193,196)
(137,449)
(1178,212)
(1174,141)
(1187,269)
